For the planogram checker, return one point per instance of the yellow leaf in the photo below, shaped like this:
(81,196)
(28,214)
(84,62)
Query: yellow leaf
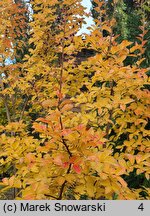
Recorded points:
(64,102)
(17,183)
(46,103)
(107,28)
(139,171)
(11,180)
(122,163)
(138,158)
(108,190)
(131,158)
(147,176)
(70,178)
(126,101)
(34,169)
(90,188)
(80,189)
(67,107)
(60,180)
(115,49)
(124,44)
(115,187)
(104,176)
(136,47)
(122,182)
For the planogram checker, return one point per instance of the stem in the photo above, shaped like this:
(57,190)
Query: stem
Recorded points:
(63,140)
(51,196)
(23,110)
(110,112)
(63,185)
(13,99)
(60,88)
(59,102)
(5,102)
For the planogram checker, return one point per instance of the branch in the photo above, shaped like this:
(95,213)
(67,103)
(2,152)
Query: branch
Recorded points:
(60,88)
(110,112)
(5,102)
(23,110)
(63,140)
(63,185)
(50,196)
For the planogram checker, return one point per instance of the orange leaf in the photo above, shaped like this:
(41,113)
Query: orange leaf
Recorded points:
(67,107)
(77,168)
(5,181)
(122,182)
(60,180)
(46,103)
(11,180)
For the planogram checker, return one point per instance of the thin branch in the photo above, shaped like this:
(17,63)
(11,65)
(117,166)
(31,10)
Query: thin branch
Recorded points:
(59,102)
(63,185)
(63,140)
(47,195)
(5,102)
(60,88)
(23,110)
(110,112)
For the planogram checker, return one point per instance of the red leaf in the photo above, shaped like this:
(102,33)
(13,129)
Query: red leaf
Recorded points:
(77,168)
(65,164)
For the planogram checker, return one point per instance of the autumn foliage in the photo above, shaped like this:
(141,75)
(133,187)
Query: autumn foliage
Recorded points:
(71,129)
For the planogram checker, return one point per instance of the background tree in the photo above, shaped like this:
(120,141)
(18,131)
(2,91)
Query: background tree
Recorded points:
(129,16)
(85,143)
(13,46)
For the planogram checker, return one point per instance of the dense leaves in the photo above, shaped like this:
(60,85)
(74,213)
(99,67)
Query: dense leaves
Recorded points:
(83,130)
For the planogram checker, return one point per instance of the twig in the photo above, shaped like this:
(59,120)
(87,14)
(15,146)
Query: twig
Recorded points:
(23,110)
(63,185)
(5,102)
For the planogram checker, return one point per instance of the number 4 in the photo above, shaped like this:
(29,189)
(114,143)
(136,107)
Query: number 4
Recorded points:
(141,207)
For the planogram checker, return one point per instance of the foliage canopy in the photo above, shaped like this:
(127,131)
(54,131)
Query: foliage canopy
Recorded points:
(72,129)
